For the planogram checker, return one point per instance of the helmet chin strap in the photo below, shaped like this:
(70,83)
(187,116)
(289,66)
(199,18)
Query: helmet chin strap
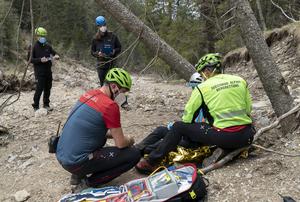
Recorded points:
(111,93)
(204,75)
(207,77)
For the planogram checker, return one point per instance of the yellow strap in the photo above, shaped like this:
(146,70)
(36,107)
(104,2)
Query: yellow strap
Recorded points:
(200,171)
(157,169)
(193,194)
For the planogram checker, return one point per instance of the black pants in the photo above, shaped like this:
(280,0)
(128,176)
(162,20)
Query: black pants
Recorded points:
(44,84)
(203,134)
(107,163)
(153,140)
(102,70)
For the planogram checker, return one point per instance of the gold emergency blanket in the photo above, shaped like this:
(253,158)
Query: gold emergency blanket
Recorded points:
(187,155)
(197,155)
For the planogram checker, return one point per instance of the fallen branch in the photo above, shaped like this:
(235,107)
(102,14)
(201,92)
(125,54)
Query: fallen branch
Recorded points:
(236,152)
(223,161)
(276,123)
(276,152)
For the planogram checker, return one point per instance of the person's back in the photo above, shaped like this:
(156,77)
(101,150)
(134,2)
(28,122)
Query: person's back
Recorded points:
(96,117)
(227,99)
(86,128)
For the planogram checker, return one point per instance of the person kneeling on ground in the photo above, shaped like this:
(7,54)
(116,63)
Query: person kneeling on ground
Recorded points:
(226,102)
(80,148)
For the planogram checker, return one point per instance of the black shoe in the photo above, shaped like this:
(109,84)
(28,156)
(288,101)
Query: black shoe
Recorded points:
(35,107)
(79,187)
(144,167)
(75,179)
(216,156)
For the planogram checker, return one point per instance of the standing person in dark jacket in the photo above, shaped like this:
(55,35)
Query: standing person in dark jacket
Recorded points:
(42,56)
(105,47)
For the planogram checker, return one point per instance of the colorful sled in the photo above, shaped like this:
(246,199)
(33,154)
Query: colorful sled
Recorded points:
(157,187)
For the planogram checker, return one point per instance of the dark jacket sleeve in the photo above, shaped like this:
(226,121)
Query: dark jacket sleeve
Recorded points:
(94,52)
(34,59)
(117,46)
(52,51)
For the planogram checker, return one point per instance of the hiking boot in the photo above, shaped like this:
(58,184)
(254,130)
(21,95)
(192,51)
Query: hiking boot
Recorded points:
(144,167)
(216,156)
(35,107)
(49,109)
(75,179)
(80,187)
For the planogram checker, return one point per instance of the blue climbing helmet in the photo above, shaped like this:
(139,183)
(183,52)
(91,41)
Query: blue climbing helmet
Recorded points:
(100,21)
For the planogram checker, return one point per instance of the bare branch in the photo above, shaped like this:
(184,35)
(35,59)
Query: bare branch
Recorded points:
(276,152)
(276,123)
(292,19)
(227,12)
(5,103)
(231,18)
(232,26)
(18,34)
(7,13)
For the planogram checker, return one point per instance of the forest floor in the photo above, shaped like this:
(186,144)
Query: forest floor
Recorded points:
(25,163)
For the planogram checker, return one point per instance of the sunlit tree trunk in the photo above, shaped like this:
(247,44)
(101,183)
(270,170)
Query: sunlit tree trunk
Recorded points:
(268,71)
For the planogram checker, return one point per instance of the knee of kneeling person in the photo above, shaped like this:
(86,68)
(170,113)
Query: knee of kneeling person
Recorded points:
(177,125)
(135,154)
(161,129)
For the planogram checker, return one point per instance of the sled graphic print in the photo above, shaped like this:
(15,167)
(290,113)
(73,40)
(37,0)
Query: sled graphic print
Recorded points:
(161,186)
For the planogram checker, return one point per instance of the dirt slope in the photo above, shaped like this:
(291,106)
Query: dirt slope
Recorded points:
(26,164)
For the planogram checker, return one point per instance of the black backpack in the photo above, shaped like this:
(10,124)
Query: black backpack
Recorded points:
(196,193)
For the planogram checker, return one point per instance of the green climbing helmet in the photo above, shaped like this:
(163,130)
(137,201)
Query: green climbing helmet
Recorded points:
(40,31)
(120,76)
(209,60)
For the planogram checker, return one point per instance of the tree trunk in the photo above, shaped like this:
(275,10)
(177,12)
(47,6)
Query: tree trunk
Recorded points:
(209,26)
(133,24)
(268,71)
(261,15)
